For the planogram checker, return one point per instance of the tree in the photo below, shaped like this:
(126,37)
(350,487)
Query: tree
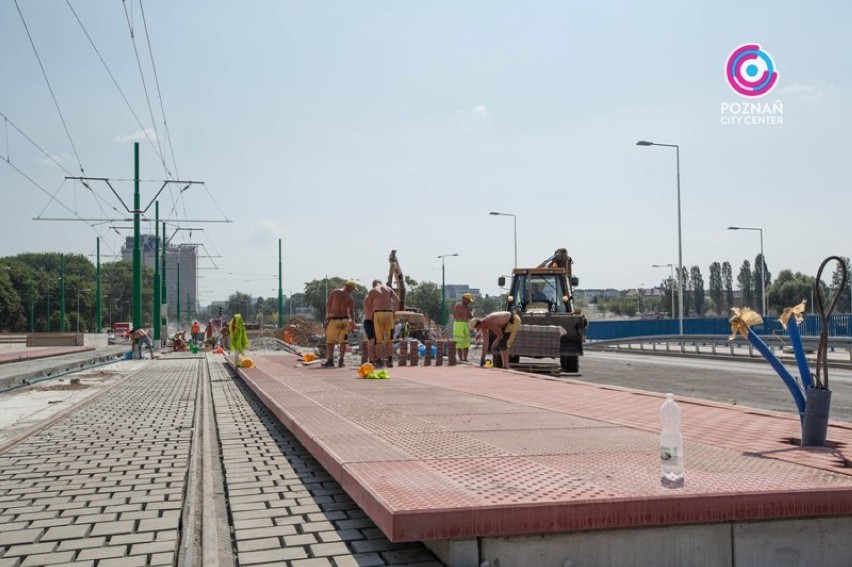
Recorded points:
(760,272)
(684,280)
(488,304)
(316,295)
(728,284)
(744,280)
(696,283)
(790,289)
(717,293)
(426,298)
(668,299)
(239,302)
(843,305)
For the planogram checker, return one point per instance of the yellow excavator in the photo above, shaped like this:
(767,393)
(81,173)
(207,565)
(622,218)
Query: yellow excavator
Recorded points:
(415,322)
(544,298)
(395,273)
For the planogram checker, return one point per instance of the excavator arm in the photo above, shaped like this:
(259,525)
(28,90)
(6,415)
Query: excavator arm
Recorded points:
(395,273)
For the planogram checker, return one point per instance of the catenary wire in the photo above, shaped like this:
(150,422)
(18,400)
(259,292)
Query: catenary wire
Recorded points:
(145,88)
(49,87)
(159,92)
(114,81)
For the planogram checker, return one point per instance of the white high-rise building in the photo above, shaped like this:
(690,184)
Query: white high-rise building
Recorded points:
(180,259)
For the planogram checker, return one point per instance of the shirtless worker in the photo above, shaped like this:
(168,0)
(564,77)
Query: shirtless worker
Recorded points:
(382,298)
(140,336)
(339,320)
(462,314)
(504,326)
(369,329)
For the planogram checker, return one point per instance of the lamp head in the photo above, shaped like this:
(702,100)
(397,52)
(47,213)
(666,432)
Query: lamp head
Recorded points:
(733,228)
(644,143)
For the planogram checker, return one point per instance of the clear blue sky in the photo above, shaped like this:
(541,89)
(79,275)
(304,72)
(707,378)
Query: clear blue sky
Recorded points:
(352,128)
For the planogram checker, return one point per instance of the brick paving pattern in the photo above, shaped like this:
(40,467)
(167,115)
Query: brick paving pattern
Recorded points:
(104,486)
(285,509)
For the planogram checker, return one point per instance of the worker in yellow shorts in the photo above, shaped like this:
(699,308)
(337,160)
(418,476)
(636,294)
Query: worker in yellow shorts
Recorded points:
(504,326)
(383,298)
(462,314)
(339,320)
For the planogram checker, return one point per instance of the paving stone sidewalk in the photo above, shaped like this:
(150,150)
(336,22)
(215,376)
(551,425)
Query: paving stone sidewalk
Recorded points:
(104,485)
(107,484)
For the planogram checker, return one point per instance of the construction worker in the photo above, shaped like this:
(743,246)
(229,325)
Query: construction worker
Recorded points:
(339,320)
(140,337)
(195,332)
(369,329)
(503,326)
(462,314)
(383,298)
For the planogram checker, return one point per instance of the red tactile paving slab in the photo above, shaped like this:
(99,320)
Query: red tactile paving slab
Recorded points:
(440,452)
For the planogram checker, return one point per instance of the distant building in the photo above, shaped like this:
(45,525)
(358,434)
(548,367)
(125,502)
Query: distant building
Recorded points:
(455,291)
(181,260)
(590,294)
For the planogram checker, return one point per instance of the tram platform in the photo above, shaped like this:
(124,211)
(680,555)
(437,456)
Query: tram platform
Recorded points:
(466,456)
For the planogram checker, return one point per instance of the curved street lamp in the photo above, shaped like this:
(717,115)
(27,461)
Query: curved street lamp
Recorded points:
(515,226)
(444,288)
(671,280)
(762,268)
(679,232)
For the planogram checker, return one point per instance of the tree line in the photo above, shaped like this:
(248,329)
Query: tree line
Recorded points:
(31,294)
(786,290)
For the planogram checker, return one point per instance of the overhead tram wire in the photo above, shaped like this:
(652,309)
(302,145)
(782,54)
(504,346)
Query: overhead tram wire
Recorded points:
(57,163)
(115,83)
(61,118)
(144,88)
(49,87)
(159,92)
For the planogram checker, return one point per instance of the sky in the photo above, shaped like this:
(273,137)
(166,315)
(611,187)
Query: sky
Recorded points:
(348,129)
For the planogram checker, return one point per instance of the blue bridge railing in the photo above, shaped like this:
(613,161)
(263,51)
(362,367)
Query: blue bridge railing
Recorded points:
(838,326)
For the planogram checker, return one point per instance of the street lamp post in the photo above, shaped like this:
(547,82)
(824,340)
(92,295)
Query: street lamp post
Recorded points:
(515,230)
(679,232)
(762,268)
(670,280)
(444,288)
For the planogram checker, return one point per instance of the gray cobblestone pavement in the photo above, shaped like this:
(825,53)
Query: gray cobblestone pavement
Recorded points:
(112,484)
(285,509)
(103,486)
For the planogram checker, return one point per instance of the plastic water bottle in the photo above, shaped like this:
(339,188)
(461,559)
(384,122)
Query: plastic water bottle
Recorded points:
(671,441)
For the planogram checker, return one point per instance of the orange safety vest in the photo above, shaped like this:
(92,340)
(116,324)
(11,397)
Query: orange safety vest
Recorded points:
(195,328)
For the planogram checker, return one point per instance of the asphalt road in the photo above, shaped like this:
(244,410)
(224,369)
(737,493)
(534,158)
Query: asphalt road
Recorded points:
(741,383)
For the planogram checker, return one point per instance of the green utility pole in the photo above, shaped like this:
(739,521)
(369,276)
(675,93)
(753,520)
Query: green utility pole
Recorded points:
(62,293)
(137,211)
(137,251)
(157,291)
(177,294)
(280,290)
(98,285)
(32,307)
(163,272)
(48,302)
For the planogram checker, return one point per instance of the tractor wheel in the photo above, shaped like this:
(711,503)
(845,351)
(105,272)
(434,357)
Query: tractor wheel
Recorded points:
(570,363)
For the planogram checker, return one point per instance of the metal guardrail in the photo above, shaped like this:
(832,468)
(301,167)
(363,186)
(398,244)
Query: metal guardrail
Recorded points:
(714,345)
(12,339)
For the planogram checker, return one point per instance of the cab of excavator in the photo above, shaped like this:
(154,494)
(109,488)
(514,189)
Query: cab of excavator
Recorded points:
(539,291)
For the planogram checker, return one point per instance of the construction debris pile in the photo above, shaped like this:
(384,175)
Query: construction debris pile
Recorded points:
(303,332)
